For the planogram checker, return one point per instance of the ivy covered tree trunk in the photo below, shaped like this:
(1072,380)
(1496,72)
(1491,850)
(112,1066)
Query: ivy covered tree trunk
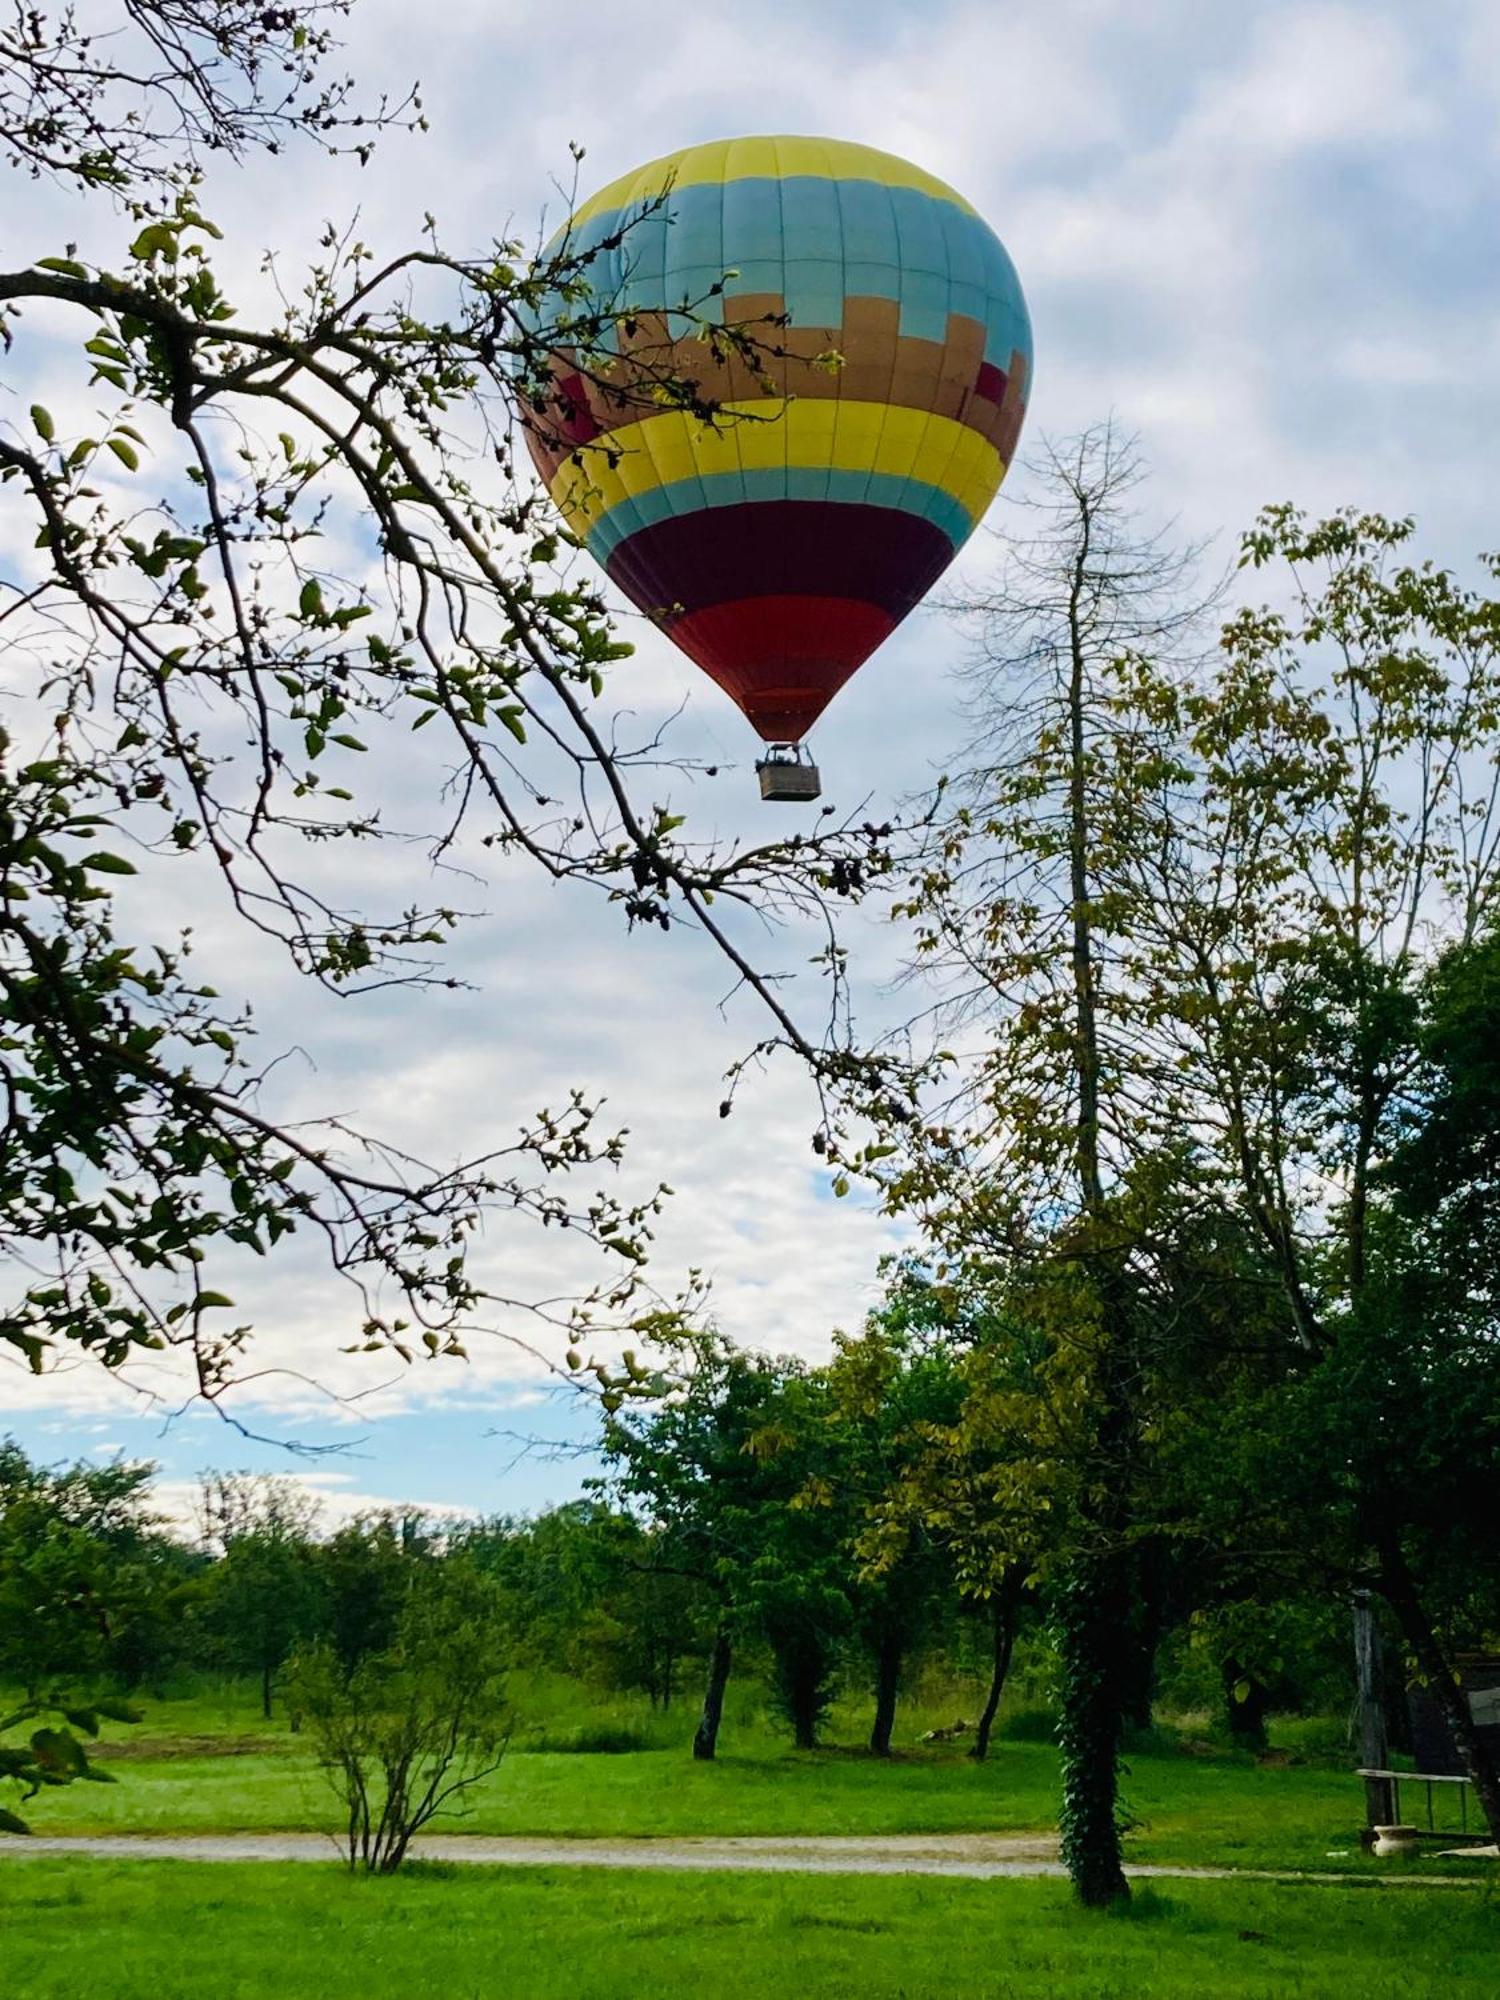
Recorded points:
(706,1740)
(1004,1610)
(1042,904)
(1091,1613)
(887,1682)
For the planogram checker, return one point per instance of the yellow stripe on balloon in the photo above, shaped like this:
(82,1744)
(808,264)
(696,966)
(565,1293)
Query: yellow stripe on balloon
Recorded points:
(770,159)
(757,436)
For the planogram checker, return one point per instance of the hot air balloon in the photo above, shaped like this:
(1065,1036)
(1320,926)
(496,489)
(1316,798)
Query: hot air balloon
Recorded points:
(779,542)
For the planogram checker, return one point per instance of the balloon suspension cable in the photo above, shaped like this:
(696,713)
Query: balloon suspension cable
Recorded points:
(786,772)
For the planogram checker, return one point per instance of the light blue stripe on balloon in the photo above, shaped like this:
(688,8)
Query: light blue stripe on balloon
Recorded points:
(814,242)
(729,489)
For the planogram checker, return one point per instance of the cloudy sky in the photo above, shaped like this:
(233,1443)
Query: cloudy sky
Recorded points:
(1263,236)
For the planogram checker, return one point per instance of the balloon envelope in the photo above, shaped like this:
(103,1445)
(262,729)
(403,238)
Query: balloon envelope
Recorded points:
(780,543)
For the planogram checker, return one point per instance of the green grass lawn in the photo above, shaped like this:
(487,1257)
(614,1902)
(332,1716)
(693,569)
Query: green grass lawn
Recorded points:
(186,1931)
(212,1766)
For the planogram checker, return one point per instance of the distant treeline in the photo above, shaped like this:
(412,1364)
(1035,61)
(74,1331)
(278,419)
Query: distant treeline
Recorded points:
(748,1523)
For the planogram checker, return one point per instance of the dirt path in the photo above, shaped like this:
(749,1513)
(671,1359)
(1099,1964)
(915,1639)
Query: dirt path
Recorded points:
(982,1855)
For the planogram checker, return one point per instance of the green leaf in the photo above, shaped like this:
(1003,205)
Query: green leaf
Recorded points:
(108,864)
(157,237)
(86,1719)
(42,420)
(59,1753)
(119,1711)
(213,1299)
(127,454)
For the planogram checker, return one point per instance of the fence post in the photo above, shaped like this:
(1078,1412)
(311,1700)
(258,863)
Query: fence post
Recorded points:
(1374,1752)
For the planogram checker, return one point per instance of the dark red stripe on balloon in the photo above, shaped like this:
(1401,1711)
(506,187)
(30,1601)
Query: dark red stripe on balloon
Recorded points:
(782,548)
(991,383)
(783,658)
(571,411)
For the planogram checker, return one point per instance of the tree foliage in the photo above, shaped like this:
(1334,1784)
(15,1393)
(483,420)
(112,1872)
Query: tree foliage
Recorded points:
(257,547)
(407,1732)
(1042,1170)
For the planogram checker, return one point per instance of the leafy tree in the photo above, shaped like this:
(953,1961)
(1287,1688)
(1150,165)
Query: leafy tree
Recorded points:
(364,1574)
(647,1624)
(206,680)
(407,1732)
(555,1571)
(895,1389)
(265,1593)
(87,1579)
(75,1571)
(1266,1653)
(687,1467)
(587,1591)
(1344,762)
(1027,909)
(735,1473)
(980,1474)
(1444,1171)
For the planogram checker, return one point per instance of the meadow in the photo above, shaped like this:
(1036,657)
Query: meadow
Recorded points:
(594,1767)
(183,1931)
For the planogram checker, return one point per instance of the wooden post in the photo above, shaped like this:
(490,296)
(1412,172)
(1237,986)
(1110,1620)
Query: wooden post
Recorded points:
(1374,1752)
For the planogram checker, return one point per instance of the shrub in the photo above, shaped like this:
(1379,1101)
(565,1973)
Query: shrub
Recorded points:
(407,1731)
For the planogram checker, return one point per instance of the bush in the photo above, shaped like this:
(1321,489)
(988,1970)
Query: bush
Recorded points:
(405,1732)
(593,1739)
(1030,1725)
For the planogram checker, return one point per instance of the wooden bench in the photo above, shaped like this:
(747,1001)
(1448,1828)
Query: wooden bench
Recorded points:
(1383,1794)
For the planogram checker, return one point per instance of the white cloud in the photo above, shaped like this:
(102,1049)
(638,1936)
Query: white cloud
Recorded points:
(336,1497)
(1315,76)
(1263,235)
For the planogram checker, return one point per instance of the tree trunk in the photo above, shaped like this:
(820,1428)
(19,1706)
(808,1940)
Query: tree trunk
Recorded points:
(267,1670)
(1095,1623)
(887,1677)
(1003,1612)
(706,1741)
(1245,1711)
(1398,1587)
(1150,1567)
(804,1708)
(803,1673)
(1092,1613)
(1374,1752)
